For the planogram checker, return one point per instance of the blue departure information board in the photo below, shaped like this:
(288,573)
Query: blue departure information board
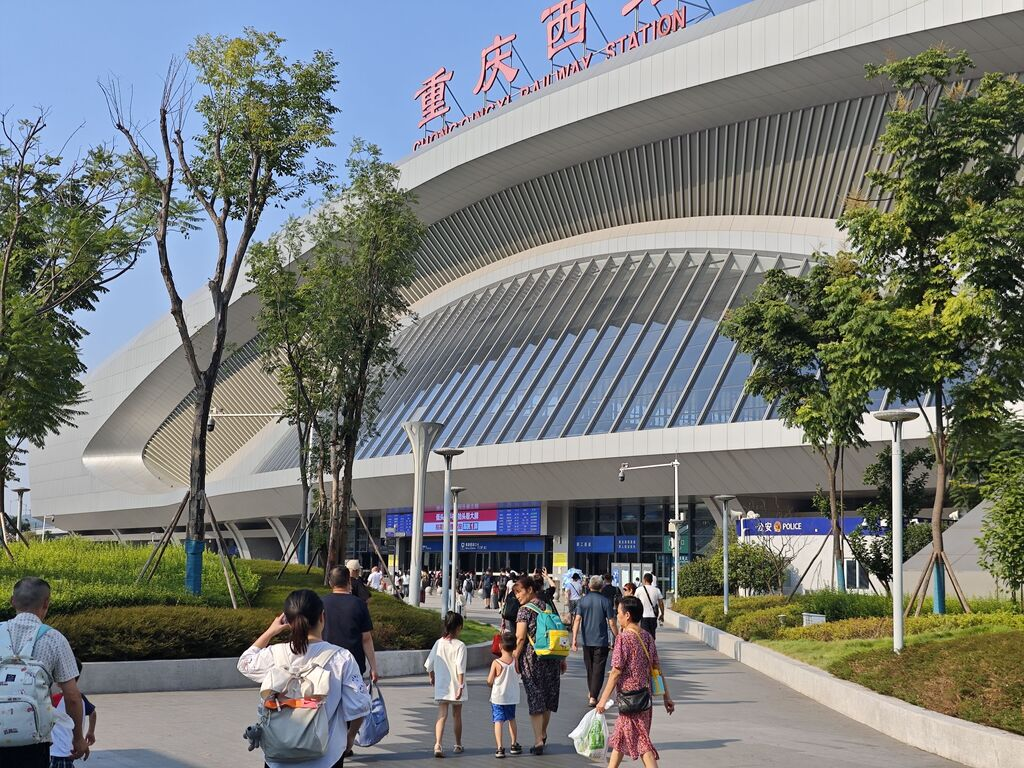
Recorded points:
(508,519)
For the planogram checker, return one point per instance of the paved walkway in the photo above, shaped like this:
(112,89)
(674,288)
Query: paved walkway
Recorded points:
(727,715)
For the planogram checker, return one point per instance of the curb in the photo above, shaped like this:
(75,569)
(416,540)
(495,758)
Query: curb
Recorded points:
(211,674)
(978,746)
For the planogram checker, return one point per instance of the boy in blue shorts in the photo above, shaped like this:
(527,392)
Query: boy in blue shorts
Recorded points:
(504,681)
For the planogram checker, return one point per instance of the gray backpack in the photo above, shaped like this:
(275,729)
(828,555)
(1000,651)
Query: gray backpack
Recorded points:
(294,722)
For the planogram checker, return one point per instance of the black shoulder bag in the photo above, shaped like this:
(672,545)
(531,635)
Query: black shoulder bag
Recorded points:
(635,702)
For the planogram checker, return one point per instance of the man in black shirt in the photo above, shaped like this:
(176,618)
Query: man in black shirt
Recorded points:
(359,588)
(610,591)
(347,621)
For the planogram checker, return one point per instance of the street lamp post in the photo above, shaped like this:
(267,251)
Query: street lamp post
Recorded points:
(723,502)
(422,435)
(455,491)
(21,502)
(623,469)
(897,418)
(446,537)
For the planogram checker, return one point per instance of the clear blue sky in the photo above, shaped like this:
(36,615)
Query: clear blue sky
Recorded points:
(56,50)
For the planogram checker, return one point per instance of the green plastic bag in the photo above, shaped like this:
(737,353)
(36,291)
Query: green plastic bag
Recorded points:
(590,737)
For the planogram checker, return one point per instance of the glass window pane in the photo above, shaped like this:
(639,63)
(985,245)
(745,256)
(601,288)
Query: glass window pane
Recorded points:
(704,327)
(640,350)
(642,296)
(558,328)
(633,412)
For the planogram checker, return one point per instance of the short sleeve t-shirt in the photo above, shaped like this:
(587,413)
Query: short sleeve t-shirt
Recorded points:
(649,596)
(595,610)
(375,579)
(347,617)
(61,734)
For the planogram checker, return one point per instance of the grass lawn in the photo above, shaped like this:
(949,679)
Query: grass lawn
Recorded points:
(974,673)
(977,676)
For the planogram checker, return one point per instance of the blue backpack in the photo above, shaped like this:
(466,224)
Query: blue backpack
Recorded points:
(552,636)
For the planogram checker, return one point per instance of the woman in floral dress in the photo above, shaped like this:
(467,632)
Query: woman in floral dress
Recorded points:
(541,675)
(632,659)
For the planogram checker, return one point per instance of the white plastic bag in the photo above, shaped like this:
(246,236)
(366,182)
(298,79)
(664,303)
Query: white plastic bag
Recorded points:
(590,737)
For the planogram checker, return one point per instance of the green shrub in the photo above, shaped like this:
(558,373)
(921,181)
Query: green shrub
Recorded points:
(700,577)
(866,628)
(845,605)
(764,624)
(870,628)
(691,606)
(85,574)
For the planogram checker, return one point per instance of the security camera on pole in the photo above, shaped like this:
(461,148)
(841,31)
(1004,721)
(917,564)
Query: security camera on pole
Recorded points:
(897,418)
(676,520)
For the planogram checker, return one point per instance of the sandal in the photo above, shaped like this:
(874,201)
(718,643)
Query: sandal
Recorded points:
(499,753)
(438,752)
(538,750)
(516,749)
(458,750)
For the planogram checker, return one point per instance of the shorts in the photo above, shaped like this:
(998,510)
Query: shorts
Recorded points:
(502,713)
(62,762)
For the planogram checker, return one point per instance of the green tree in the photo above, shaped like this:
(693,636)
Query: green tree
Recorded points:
(1001,544)
(261,119)
(67,229)
(939,233)
(361,264)
(791,328)
(285,343)
(329,320)
(872,544)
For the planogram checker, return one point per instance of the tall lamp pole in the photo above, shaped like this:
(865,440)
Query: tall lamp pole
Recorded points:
(446,537)
(422,436)
(21,502)
(676,520)
(723,502)
(896,419)
(456,490)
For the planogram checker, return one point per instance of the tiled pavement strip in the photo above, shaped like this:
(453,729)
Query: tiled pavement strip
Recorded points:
(726,715)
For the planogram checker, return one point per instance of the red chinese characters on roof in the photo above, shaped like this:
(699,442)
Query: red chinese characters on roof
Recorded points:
(495,60)
(567,25)
(632,5)
(432,96)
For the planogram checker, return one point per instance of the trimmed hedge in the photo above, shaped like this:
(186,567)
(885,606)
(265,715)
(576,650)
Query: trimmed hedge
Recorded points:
(139,633)
(161,632)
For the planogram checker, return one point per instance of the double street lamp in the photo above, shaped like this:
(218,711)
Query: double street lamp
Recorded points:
(897,418)
(723,502)
(454,493)
(447,574)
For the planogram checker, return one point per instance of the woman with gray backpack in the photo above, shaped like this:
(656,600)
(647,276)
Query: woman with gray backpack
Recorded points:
(313,696)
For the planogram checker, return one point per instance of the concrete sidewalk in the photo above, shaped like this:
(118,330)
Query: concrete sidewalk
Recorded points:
(727,715)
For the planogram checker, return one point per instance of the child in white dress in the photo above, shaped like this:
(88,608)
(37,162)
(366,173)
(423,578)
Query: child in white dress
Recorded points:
(446,666)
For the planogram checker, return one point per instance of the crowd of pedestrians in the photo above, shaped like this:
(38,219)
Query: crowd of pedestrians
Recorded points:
(317,682)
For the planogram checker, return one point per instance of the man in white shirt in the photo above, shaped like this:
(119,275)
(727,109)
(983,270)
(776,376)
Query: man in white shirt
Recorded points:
(653,602)
(373,582)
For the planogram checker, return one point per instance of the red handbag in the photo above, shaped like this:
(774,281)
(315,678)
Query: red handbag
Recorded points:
(496,644)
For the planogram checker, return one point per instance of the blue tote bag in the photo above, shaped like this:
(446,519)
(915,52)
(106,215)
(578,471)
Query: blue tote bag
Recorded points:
(375,726)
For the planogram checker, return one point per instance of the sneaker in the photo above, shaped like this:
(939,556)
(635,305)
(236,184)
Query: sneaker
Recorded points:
(516,749)
(499,753)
